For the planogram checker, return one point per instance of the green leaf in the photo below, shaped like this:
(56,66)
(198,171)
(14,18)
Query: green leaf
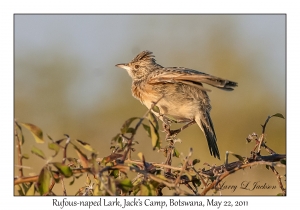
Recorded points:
(153,125)
(147,189)
(49,137)
(126,185)
(197,182)
(72,182)
(20,190)
(54,147)
(97,191)
(144,190)
(176,153)
(38,152)
(36,132)
(156,109)
(85,145)
(87,180)
(59,141)
(25,156)
(278,115)
(31,190)
(147,129)
(20,135)
(152,118)
(114,139)
(112,185)
(44,181)
(115,173)
(63,169)
(127,124)
(238,157)
(130,130)
(196,161)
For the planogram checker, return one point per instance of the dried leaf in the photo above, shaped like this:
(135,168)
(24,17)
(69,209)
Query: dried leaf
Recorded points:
(82,157)
(112,157)
(36,132)
(85,145)
(97,191)
(20,190)
(31,190)
(141,156)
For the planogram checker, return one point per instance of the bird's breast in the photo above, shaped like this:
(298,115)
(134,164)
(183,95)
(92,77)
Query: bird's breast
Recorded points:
(170,102)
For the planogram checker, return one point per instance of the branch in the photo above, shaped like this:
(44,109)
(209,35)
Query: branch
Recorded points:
(20,157)
(135,129)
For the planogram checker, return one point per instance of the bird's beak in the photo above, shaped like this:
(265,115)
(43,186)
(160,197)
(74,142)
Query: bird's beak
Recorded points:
(123,66)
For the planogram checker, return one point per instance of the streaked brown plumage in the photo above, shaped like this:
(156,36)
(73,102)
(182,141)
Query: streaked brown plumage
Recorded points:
(180,90)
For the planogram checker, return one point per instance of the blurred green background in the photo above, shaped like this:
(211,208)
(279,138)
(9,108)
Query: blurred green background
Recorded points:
(66,81)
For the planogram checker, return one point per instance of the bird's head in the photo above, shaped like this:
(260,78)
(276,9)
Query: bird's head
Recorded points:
(140,66)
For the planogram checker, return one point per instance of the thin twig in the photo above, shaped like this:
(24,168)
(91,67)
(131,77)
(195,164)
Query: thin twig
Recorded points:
(200,176)
(169,155)
(226,173)
(63,162)
(136,127)
(279,180)
(183,167)
(106,187)
(63,186)
(20,157)
(167,184)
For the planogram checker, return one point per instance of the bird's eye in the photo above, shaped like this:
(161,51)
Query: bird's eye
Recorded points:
(136,66)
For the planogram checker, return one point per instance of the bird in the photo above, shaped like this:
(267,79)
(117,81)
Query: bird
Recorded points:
(177,92)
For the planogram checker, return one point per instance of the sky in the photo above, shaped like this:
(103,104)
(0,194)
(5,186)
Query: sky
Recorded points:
(98,42)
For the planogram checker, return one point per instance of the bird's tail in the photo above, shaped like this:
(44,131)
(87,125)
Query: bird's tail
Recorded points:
(219,82)
(205,123)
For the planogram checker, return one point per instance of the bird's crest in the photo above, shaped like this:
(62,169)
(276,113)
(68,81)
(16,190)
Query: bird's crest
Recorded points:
(144,56)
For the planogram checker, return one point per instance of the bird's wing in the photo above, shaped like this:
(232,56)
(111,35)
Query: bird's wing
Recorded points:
(190,77)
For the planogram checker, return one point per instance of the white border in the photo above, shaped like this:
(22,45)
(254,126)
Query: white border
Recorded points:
(8,8)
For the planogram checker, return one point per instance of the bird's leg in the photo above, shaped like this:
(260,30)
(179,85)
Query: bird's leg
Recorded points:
(174,133)
(170,134)
(166,126)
